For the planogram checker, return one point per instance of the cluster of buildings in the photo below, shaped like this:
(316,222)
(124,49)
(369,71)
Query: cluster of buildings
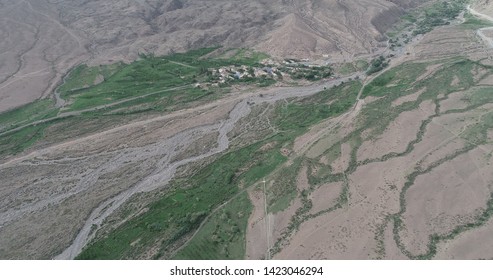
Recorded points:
(243,72)
(268,69)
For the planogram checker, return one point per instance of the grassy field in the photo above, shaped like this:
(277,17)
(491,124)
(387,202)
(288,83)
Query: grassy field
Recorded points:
(223,237)
(480,96)
(351,67)
(298,116)
(31,112)
(283,188)
(395,81)
(148,75)
(474,23)
(83,76)
(16,142)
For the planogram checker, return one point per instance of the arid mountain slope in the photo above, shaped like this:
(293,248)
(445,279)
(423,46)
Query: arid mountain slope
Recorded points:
(485,6)
(333,28)
(44,39)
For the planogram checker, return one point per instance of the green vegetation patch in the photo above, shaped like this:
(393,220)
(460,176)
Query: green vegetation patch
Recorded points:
(247,57)
(16,142)
(437,14)
(480,96)
(186,205)
(473,22)
(424,19)
(282,202)
(84,76)
(351,67)
(149,75)
(282,189)
(401,81)
(328,103)
(377,65)
(223,236)
(31,112)
(477,134)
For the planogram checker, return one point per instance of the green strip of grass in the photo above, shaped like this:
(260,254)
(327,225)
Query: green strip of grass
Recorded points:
(187,204)
(17,142)
(474,23)
(31,112)
(223,237)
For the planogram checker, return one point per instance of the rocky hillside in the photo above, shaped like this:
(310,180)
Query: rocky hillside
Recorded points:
(280,27)
(44,39)
(484,6)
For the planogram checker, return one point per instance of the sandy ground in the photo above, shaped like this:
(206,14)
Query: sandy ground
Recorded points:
(256,244)
(342,162)
(340,234)
(36,51)
(325,196)
(349,233)
(476,243)
(408,98)
(456,100)
(467,247)
(442,199)
(487,81)
(398,134)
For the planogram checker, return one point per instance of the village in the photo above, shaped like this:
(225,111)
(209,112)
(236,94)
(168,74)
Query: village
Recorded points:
(267,72)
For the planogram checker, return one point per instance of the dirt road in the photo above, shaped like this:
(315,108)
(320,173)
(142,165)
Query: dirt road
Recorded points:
(481,31)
